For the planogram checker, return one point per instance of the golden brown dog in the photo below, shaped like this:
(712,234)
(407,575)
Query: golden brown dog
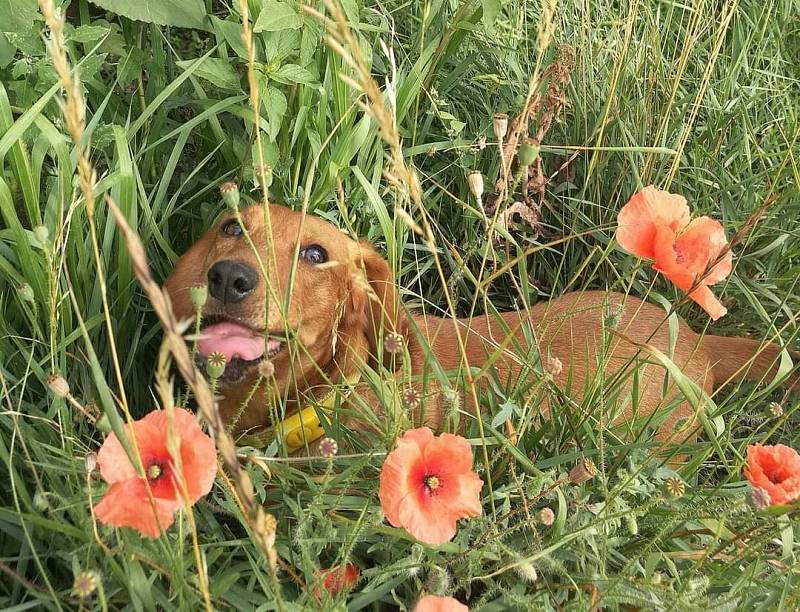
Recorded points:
(343,303)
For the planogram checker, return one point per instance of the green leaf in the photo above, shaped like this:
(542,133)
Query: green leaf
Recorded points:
(276,16)
(276,104)
(219,71)
(7,51)
(491,9)
(88,33)
(292,73)
(231,31)
(181,13)
(16,15)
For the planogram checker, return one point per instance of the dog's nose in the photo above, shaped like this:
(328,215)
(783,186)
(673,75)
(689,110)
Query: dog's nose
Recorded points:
(230,281)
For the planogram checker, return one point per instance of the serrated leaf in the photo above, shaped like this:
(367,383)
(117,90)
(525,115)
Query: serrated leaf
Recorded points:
(181,13)
(218,71)
(276,16)
(292,73)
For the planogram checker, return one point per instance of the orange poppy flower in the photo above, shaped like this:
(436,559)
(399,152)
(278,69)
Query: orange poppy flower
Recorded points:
(338,578)
(127,503)
(656,224)
(427,484)
(436,603)
(776,470)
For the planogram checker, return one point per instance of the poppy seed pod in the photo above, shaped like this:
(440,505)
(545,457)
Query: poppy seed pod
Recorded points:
(230,195)
(58,385)
(547,517)
(675,486)
(199,296)
(528,152)
(215,365)
(500,125)
(475,182)
(585,470)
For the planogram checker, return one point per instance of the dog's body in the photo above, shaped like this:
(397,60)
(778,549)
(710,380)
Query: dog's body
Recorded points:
(344,302)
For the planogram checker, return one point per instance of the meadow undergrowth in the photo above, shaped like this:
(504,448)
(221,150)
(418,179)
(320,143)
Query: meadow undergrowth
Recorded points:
(376,116)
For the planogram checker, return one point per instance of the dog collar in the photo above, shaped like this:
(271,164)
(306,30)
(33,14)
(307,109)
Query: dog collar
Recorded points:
(304,426)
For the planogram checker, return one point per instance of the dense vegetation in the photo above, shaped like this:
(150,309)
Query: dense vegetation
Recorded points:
(699,98)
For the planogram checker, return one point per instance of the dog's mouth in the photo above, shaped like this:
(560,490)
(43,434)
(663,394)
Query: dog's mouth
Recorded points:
(242,346)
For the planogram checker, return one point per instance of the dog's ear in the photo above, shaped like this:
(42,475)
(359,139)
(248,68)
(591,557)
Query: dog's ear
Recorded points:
(374,300)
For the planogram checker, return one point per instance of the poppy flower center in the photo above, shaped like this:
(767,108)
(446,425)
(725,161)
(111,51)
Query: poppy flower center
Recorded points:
(154,472)
(432,482)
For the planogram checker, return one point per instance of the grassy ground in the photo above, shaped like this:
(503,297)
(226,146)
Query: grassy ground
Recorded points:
(699,97)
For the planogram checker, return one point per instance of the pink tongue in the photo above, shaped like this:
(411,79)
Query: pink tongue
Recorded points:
(232,340)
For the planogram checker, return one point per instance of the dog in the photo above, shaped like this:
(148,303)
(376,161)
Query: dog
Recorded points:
(343,313)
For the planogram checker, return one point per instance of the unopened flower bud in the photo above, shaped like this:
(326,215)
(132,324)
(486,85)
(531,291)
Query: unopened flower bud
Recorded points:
(528,152)
(103,424)
(199,296)
(40,501)
(500,125)
(26,293)
(475,182)
(58,385)
(215,365)
(547,517)
(585,470)
(230,195)
(42,234)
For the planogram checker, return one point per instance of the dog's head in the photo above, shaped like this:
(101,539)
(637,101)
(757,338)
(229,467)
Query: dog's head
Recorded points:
(310,320)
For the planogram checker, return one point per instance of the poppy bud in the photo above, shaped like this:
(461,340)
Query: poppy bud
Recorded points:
(585,470)
(58,385)
(528,152)
(230,195)
(631,524)
(198,295)
(26,293)
(215,365)
(675,486)
(40,501)
(475,182)
(42,234)
(547,517)
(500,125)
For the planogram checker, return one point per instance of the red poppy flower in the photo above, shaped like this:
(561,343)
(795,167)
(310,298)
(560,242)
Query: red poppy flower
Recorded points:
(127,503)
(337,578)
(436,603)
(656,224)
(427,484)
(776,470)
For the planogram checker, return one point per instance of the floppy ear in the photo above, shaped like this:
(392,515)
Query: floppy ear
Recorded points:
(374,300)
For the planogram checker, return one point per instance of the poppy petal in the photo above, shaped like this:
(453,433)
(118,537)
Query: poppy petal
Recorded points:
(431,523)
(708,302)
(437,603)
(126,504)
(701,243)
(648,210)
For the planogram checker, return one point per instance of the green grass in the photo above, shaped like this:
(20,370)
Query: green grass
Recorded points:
(698,97)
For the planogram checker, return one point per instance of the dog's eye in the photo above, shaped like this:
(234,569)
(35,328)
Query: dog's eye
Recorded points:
(314,254)
(232,228)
